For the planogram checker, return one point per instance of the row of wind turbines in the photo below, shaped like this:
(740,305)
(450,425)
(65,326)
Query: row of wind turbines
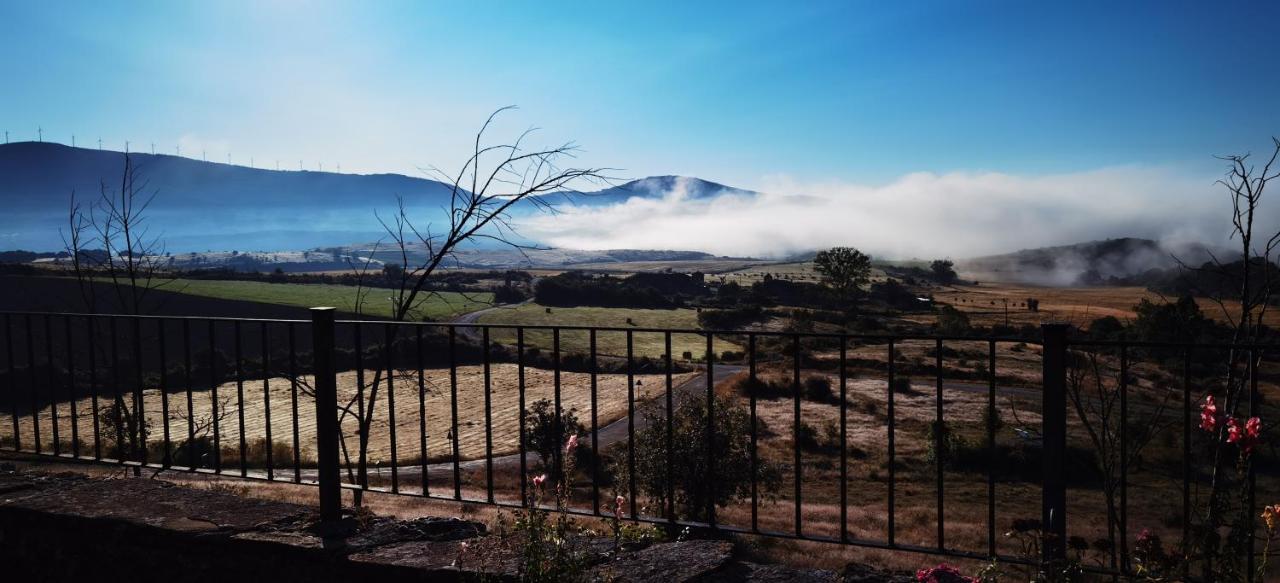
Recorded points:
(177,150)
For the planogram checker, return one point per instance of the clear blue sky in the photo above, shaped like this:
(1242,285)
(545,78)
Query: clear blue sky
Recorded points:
(843,92)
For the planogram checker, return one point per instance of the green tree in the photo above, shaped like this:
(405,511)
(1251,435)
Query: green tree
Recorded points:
(546,436)
(845,269)
(688,470)
(944,271)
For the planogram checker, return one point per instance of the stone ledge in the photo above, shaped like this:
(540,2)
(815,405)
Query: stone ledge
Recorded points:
(67,527)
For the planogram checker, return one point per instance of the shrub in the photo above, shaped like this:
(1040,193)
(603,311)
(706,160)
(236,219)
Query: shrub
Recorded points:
(731,444)
(944,444)
(818,389)
(545,436)
(807,437)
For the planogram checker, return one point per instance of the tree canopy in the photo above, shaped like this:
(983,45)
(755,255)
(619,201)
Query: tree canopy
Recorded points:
(845,269)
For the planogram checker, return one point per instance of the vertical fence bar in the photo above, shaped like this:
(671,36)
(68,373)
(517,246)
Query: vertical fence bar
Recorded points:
(53,383)
(91,324)
(73,397)
(266,400)
(12,389)
(362,437)
(213,397)
(1053,498)
(671,487)
(755,433)
(631,424)
(293,400)
(423,457)
(387,347)
(595,426)
(453,411)
(711,432)
(557,422)
(844,440)
(891,526)
(118,403)
(488,415)
(1250,502)
(239,364)
(31,378)
(524,469)
(795,430)
(1124,458)
(138,435)
(326,397)
(940,447)
(1186,457)
(186,381)
(992,458)
(167,460)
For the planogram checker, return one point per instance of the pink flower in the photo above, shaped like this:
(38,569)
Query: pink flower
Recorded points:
(943,573)
(571,445)
(1246,436)
(538,480)
(1209,414)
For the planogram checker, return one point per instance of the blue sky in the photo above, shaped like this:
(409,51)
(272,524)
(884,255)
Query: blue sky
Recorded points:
(976,127)
(846,91)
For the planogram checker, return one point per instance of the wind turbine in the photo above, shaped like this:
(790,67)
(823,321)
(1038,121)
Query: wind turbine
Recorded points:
(153,148)
(73,140)
(39,134)
(99,143)
(178,150)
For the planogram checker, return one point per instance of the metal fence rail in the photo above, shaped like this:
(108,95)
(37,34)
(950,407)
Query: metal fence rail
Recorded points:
(58,368)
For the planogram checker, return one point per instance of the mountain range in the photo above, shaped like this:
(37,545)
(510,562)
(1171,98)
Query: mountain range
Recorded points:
(201,205)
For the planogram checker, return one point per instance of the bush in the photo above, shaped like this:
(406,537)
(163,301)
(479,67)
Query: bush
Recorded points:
(818,389)
(731,445)
(953,322)
(807,437)
(765,388)
(545,437)
(943,449)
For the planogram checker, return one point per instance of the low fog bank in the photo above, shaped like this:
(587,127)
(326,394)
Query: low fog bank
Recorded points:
(922,215)
(1091,263)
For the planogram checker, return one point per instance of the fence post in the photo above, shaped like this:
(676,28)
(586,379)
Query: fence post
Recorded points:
(326,390)
(1054,434)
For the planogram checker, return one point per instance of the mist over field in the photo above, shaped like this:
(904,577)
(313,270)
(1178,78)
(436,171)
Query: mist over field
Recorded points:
(923,214)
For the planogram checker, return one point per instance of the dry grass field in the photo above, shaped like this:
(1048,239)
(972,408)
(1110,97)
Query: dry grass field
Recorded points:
(610,343)
(575,394)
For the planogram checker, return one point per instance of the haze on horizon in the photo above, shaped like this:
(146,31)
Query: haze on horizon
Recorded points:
(928,129)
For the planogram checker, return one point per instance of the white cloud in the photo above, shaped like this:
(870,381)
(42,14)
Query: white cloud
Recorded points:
(958,214)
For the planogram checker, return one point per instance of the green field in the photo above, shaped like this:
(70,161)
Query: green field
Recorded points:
(607,343)
(441,306)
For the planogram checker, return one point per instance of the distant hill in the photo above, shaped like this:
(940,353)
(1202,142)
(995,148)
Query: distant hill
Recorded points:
(655,186)
(208,205)
(1085,263)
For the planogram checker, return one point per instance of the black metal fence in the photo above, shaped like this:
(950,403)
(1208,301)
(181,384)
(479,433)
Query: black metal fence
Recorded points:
(197,395)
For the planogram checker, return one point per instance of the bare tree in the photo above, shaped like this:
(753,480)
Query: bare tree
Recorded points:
(494,179)
(1252,281)
(110,243)
(1093,389)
